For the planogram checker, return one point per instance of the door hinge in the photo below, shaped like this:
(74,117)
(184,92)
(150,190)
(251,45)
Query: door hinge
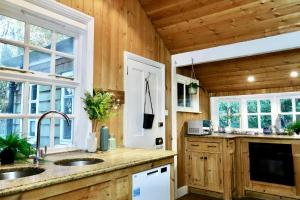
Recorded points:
(127,70)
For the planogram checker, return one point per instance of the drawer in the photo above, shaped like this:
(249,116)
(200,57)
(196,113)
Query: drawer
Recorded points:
(204,146)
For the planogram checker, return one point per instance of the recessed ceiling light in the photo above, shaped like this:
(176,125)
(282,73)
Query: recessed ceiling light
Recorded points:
(251,79)
(294,74)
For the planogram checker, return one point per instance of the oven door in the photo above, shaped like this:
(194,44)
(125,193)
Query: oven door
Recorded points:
(271,164)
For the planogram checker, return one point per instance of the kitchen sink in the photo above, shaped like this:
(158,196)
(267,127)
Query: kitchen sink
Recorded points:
(14,173)
(79,161)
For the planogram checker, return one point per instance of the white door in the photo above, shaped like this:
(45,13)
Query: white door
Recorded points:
(137,70)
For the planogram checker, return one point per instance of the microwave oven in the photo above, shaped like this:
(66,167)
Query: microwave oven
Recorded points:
(199,127)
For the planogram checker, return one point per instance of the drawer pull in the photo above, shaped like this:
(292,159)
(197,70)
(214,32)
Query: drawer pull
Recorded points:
(211,146)
(195,145)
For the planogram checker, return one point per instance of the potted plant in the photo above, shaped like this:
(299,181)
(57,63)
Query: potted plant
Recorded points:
(294,128)
(13,147)
(99,107)
(193,88)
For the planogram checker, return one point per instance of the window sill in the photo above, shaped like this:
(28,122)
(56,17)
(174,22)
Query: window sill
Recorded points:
(188,111)
(62,149)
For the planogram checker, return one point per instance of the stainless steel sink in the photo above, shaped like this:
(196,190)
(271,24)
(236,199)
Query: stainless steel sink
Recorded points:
(79,161)
(14,173)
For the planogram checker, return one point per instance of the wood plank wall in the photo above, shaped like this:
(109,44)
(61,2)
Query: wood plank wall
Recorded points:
(182,118)
(122,25)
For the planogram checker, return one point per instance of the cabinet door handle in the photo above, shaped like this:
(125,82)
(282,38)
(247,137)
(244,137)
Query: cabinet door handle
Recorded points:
(201,157)
(205,158)
(211,146)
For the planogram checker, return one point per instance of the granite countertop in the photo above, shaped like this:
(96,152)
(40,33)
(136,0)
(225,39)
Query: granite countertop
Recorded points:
(236,135)
(54,174)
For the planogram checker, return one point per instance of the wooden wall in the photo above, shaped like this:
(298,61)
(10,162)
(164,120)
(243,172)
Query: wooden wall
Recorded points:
(182,118)
(122,25)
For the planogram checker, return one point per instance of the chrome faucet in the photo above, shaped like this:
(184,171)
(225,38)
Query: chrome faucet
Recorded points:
(38,153)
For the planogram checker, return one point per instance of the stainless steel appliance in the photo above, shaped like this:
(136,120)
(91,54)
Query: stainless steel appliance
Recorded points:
(199,127)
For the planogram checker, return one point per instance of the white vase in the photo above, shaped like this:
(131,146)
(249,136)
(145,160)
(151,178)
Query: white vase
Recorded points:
(91,142)
(228,129)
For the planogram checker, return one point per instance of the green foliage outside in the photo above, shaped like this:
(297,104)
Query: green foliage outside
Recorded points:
(286,105)
(227,111)
(19,145)
(99,106)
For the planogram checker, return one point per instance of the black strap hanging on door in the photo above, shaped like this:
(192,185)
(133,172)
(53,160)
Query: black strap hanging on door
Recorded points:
(148,118)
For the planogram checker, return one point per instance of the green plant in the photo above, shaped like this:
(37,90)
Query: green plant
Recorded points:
(193,85)
(293,128)
(99,106)
(21,148)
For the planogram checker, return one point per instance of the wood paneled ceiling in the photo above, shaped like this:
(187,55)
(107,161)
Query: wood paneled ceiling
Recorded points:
(270,71)
(187,25)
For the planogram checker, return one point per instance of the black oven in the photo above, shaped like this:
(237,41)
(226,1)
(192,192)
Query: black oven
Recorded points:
(272,163)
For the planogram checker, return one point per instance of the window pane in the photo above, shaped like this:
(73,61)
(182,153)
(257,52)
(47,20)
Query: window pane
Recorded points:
(286,105)
(252,106)
(11,28)
(252,121)
(63,132)
(65,44)
(40,37)
(265,106)
(223,107)
(10,97)
(39,61)
(11,56)
(223,121)
(297,117)
(235,122)
(188,97)
(64,99)
(286,120)
(180,94)
(42,103)
(45,132)
(297,103)
(266,121)
(235,107)
(64,66)
(9,126)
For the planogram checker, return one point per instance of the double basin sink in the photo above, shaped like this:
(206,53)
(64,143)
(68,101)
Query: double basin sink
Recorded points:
(14,173)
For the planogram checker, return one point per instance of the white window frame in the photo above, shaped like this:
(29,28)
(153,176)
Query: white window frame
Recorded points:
(275,107)
(258,114)
(195,101)
(55,16)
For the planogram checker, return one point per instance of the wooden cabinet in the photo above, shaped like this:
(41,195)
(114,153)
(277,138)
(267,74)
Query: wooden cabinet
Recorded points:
(206,169)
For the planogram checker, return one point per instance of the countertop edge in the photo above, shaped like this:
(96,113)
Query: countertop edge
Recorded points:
(73,177)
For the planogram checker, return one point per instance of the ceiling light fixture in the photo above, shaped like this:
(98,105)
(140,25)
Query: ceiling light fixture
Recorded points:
(294,74)
(251,79)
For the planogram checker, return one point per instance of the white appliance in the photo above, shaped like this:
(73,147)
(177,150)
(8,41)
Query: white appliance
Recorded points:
(199,127)
(152,184)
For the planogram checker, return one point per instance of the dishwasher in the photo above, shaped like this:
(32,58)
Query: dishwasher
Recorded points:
(152,184)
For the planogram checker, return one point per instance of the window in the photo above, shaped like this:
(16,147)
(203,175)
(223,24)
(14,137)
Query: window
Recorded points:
(229,114)
(186,102)
(259,114)
(255,112)
(289,110)
(39,72)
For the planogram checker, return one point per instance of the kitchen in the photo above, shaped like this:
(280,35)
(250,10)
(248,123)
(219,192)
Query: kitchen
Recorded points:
(239,57)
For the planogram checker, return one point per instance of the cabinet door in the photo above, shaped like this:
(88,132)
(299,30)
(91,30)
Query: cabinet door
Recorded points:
(196,169)
(213,171)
